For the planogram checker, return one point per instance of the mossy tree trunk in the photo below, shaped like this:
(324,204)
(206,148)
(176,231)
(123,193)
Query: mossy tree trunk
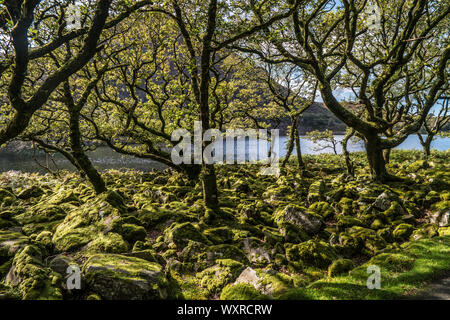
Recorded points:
(301,163)
(348,161)
(76,143)
(291,142)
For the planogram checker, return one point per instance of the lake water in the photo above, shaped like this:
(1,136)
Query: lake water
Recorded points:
(105,158)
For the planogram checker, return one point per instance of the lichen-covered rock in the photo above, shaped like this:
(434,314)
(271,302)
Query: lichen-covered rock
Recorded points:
(312,253)
(33,280)
(179,234)
(298,216)
(340,266)
(118,277)
(384,200)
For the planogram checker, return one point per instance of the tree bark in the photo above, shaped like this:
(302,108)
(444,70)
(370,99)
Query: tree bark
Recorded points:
(81,158)
(301,164)
(292,134)
(376,160)
(348,161)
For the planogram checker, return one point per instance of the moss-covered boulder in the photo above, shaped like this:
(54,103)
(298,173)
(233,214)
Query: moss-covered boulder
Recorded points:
(344,222)
(132,232)
(179,234)
(33,280)
(384,200)
(403,231)
(118,277)
(84,224)
(216,277)
(223,251)
(10,243)
(32,192)
(6,198)
(298,216)
(312,253)
(425,231)
(109,243)
(219,235)
(322,209)
(340,266)
(316,191)
(359,239)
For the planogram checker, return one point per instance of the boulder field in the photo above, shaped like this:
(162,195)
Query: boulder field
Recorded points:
(150,237)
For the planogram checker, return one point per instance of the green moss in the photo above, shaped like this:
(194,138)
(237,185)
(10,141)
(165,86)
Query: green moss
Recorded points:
(93,296)
(394,211)
(403,231)
(115,276)
(33,280)
(180,233)
(359,239)
(322,208)
(215,278)
(316,191)
(45,240)
(241,291)
(344,222)
(219,235)
(346,206)
(109,243)
(340,266)
(10,243)
(312,253)
(133,233)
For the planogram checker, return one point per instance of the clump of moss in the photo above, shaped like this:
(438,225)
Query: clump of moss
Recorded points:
(312,253)
(180,233)
(340,266)
(215,278)
(109,243)
(403,231)
(322,208)
(316,191)
(219,235)
(241,291)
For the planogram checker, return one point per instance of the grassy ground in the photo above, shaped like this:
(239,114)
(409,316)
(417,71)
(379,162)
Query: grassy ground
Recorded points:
(402,273)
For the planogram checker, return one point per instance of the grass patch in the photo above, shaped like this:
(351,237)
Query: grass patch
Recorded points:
(403,273)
